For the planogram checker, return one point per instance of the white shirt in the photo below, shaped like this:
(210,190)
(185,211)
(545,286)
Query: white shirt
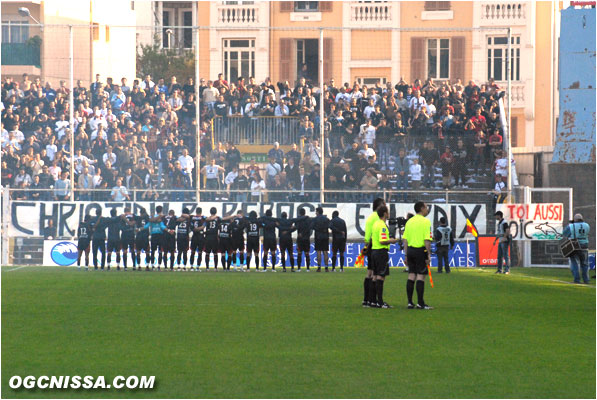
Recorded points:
(273,169)
(251,108)
(499,186)
(417,104)
(211,171)
(501,167)
(257,187)
(415,172)
(368,110)
(281,111)
(145,85)
(61,127)
(368,153)
(111,157)
(368,133)
(51,150)
(187,163)
(431,112)
(230,178)
(97,180)
(119,193)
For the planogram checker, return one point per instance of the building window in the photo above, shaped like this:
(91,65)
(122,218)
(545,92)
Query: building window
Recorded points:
(306,6)
(437,6)
(167,20)
(370,81)
(497,55)
(187,31)
(438,58)
(95,31)
(15,31)
(239,58)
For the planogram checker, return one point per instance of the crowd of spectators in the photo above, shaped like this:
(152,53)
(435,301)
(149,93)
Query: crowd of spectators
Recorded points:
(138,142)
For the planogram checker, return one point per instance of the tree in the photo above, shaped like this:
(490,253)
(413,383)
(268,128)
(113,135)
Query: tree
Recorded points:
(164,63)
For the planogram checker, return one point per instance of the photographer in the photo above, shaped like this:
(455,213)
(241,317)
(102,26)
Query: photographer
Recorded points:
(444,240)
(578,229)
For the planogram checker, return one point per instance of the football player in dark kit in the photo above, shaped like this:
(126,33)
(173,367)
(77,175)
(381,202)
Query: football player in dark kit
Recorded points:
(238,238)
(321,226)
(417,240)
(339,234)
(269,225)
(142,239)
(303,238)
(157,239)
(211,237)
(252,226)
(115,225)
(170,221)
(98,238)
(128,237)
(444,240)
(182,238)
(198,239)
(285,229)
(225,244)
(84,239)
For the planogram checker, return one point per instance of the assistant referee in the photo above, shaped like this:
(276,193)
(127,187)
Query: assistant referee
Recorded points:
(417,241)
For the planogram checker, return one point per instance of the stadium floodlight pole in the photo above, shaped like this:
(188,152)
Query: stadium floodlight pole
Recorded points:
(71,116)
(197,118)
(321,122)
(508,75)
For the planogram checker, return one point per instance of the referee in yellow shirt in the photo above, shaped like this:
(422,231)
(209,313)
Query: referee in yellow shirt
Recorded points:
(380,246)
(417,242)
(370,291)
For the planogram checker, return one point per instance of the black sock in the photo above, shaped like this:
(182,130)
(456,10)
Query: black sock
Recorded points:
(366,284)
(342,261)
(410,288)
(372,292)
(420,290)
(379,289)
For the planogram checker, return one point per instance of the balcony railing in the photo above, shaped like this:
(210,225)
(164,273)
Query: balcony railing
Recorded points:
(20,54)
(238,15)
(504,13)
(379,12)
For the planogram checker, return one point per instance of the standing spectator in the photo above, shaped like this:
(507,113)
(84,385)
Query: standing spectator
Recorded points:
(210,94)
(84,184)
(429,158)
(276,153)
(402,169)
(459,170)
(257,187)
(415,174)
(447,162)
(120,192)
(187,164)
(62,188)
(272,169)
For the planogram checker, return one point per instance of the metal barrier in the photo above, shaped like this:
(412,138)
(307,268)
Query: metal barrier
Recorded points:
(257,130)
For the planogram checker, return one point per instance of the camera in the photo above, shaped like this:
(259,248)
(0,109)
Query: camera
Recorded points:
(396,225)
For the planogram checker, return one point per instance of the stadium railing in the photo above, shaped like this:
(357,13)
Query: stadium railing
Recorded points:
(260,130)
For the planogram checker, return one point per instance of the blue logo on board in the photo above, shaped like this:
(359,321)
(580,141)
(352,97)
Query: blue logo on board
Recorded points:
(64,253)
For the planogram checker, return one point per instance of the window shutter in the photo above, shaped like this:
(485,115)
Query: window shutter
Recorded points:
(286,6)
(417,60)
(457,58)
(514,131)
(437,5)
(285,45)
(325,6)
(327,59)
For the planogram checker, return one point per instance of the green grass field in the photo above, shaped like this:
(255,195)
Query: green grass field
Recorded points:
(283,335)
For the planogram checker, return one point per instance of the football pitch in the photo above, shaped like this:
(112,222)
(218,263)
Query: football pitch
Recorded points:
(529,334)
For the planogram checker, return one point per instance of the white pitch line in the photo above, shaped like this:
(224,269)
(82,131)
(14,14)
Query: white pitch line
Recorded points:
(14,269)
(544,279)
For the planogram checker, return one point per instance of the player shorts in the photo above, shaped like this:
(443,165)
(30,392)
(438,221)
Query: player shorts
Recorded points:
(238,243)
(322,243)
(142,243)
(157,239)
(338,246)
(417,260)
(269,244)
(83,244)
(211,244)
(169,242)
(368,255)
(381,262)
(128,241)
(286,245)
(303,245)
(197,243)
(182,243)
(113,245)
(225,244)
(252,244)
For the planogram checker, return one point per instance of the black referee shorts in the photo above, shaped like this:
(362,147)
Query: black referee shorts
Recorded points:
(417,260)
(381,262)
